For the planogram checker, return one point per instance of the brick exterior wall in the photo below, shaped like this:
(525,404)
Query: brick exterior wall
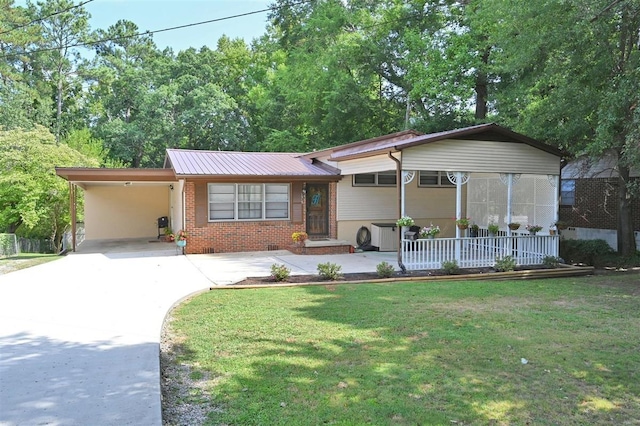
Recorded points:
(242,236)
(596,205)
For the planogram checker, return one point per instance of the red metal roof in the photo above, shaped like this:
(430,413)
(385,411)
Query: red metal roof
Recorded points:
(231,163)
(380,145)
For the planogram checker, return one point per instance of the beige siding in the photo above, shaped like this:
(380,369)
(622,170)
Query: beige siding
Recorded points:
(379,163)
(125,211)
(365,202)
(361,206)
(480,156)
(177,207)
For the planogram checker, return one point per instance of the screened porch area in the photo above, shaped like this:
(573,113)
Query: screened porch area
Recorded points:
(498,199)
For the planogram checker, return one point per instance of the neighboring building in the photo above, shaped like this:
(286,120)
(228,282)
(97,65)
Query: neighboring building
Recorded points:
(589,200)
(235,201)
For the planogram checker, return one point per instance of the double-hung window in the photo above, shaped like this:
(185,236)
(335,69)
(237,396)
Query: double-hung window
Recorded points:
(568,192)
(254,201)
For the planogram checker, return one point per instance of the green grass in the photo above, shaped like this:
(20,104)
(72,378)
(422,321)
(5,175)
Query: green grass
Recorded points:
(415,353)
(24,260)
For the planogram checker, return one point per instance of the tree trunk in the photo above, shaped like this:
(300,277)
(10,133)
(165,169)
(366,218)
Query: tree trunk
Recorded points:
(481,88)
(626,237)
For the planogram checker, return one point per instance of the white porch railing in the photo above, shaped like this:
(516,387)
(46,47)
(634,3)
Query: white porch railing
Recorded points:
(477,252)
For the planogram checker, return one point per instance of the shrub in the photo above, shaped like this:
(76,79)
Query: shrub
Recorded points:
(280,272)
(329,271)
(551,261)
(589,252)
(450,267)
(505,264)
(384,269)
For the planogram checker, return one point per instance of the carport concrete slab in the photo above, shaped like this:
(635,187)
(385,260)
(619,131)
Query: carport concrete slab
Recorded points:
(142,247)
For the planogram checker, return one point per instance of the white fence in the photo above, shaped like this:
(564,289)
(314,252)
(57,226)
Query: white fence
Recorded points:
(478,252)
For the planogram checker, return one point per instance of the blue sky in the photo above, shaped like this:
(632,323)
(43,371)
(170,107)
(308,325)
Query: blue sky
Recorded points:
(157,14)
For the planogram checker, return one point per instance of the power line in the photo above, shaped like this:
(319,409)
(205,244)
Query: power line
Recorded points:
(94,42)
(46,17)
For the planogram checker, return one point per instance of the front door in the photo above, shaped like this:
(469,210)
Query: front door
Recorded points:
(318,209)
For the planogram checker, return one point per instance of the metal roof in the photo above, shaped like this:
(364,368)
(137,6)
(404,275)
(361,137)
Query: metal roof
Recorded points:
(378,145)
(232,163)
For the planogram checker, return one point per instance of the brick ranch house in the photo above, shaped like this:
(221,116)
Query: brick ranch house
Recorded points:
(247,201)
(589,200)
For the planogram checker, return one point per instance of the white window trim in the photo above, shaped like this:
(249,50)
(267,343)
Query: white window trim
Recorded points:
(263,201)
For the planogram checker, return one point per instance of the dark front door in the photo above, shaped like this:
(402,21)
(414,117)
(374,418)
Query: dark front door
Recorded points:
(318,209)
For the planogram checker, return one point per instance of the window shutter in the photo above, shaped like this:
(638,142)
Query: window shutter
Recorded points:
(296,202)
(201,204)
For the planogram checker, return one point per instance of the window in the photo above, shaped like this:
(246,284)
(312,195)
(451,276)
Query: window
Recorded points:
(568,192)
(387,178)
(430,178)
(230,201)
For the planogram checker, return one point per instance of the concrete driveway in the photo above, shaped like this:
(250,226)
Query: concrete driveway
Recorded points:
(79,337)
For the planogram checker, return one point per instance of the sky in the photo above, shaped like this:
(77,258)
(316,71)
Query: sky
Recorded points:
(150,15)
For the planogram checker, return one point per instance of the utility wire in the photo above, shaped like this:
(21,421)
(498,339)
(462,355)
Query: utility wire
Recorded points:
(94,42)
(46,17)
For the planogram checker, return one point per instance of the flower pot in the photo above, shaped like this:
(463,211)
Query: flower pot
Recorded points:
(533,232)
(514,226)
(462,227)
(552,232)
(181,243)
(473,233)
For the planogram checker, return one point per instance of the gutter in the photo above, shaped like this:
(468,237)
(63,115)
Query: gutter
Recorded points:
(399,192)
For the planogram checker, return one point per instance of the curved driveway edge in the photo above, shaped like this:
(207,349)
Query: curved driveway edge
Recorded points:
(79,338)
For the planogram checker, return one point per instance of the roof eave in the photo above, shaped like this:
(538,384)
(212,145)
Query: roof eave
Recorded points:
(86,174)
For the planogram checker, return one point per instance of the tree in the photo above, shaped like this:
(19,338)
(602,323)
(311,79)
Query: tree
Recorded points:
(34,200)
(62,25)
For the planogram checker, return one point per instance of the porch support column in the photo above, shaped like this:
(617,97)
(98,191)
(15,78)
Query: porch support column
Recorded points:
(400,192)
(458,200)
(509,198)
(72,210)
(556,198)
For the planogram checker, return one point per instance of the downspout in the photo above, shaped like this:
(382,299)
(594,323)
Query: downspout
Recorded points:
(399,188)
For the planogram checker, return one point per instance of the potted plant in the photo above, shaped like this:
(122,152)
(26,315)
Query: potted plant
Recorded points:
(430,231)
(493,229)
(168,235)
(513,226)
(560,225)
(552,229)
(405,222)
(299,237)
(463,222)
(473,230)
(181,238)
(534,229)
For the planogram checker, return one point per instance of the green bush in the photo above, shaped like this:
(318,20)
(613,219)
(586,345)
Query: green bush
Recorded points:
(505,264)
(384,269)
(329,271)
(551,262)
(450,267)
(280,272)
(589,252)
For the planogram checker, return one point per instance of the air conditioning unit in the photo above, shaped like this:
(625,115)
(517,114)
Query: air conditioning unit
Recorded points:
(384,236)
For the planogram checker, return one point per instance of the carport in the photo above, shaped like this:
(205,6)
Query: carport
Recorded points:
(123,204)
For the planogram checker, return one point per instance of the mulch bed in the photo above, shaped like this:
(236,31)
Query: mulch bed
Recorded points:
(365,276)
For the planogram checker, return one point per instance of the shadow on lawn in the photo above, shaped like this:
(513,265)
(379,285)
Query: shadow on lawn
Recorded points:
(422,363)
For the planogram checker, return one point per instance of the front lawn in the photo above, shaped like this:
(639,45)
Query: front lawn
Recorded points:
(563,351)
(24,260)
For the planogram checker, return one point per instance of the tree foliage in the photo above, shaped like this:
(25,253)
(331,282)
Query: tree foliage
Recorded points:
(35,202)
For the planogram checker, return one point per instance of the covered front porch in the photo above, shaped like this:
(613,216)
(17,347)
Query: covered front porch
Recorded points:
(490,203)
